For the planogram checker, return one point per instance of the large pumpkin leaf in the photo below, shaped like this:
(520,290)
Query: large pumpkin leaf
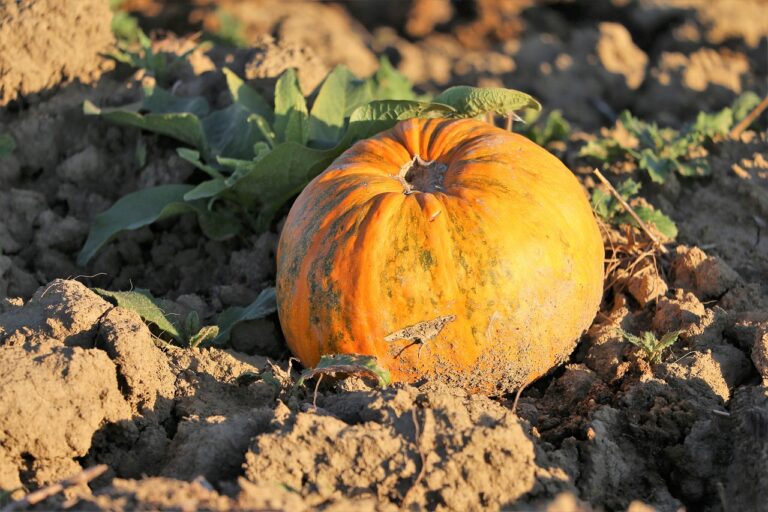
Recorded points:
(232,132)
(133,211)
(474,101)
(326,121)
(398,110)
(390,84)
(183,126)
(290,109)
(159,101)
(265,304)
(246,96)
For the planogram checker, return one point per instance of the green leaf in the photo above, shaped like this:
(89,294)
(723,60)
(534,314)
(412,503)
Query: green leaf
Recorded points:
(232,132)
(193,157)
(125,27)
(278,176)
(628,188)
(555,128)
(385,111)
(603,203)
(603,150)
(326,120)
(207,189)
(246,96)
(205,334)
(7,144)
(160,101)
(266,133)
(664,224)
(185,127)
(141,153)
(149,308)
(290,109)
(658,168)
(133,211)
(695,168)
(230,31)
(390,84)
(191,324)
(217,225)
(265,304)
(359,93)
(743,105)
(349,364)
(709,125)
(474,101)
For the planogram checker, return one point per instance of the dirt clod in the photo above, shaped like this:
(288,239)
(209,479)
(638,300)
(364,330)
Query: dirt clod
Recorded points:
(54,399)
(459,459)
(44,43)
(148,382)
(706,276)
(63,310)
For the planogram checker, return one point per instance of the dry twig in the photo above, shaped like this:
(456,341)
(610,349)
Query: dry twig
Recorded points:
(744,123)
(629,210)
(517,398)
(46,492)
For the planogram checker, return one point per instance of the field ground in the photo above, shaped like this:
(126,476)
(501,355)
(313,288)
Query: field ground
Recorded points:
(84,382)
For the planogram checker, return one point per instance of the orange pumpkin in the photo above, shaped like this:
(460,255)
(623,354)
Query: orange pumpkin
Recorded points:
(446,248)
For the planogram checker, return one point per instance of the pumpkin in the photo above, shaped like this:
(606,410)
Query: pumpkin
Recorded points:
(448,249)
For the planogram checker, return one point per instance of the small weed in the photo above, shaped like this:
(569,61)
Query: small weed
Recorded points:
(652,346)
(662,151)
(543,129)
(190,332)
(609,209)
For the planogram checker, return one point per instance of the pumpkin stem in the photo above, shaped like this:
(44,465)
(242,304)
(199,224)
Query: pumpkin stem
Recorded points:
(419,175)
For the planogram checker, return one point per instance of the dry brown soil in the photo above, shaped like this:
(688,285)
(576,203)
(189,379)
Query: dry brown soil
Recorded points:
(83,382)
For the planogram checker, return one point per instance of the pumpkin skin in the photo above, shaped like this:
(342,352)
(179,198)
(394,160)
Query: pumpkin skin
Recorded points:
(495,247)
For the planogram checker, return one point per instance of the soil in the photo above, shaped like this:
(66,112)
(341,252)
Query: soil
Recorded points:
(85,382)
(44,44)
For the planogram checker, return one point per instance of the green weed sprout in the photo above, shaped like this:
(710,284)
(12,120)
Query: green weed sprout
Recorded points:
(652,346)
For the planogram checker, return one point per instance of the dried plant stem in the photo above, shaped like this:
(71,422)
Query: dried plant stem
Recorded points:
(517,398)
(629,210)
(317,387)
(39,495)
(736,131)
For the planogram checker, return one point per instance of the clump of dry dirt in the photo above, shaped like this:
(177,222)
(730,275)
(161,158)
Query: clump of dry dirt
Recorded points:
(87,382)
(45,43)
(430,448)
